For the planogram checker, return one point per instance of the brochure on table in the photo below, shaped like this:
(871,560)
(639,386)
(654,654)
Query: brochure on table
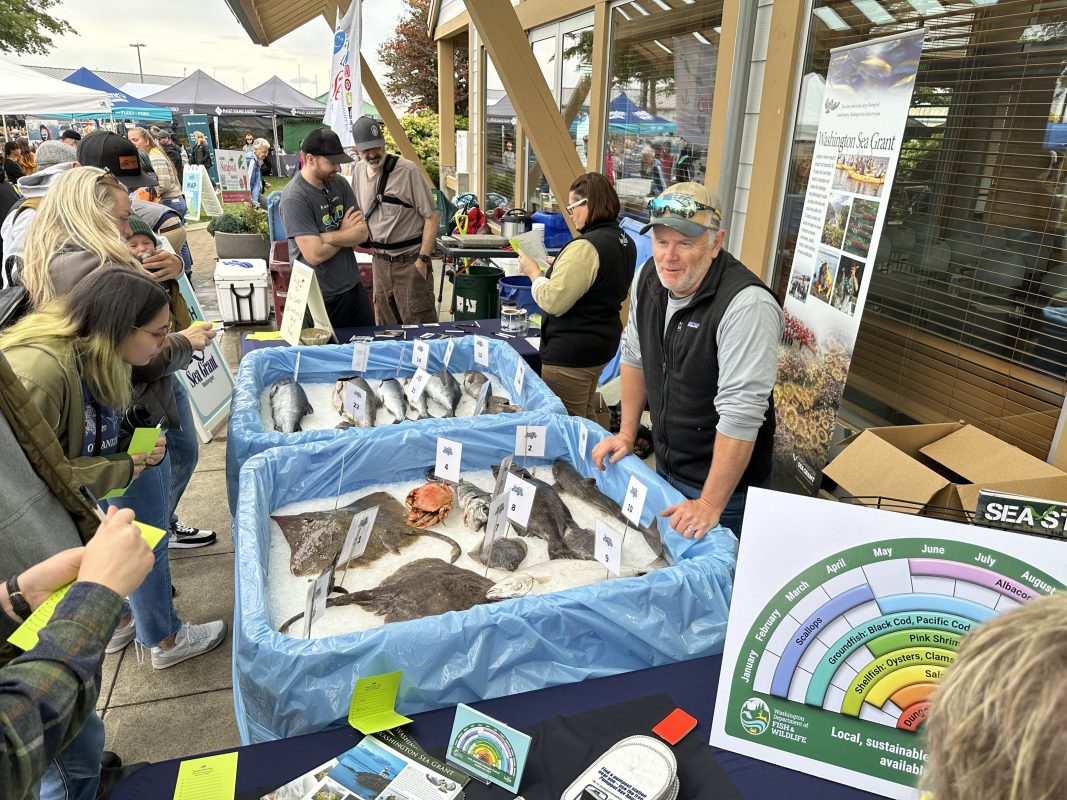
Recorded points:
(842,620)
(856,150)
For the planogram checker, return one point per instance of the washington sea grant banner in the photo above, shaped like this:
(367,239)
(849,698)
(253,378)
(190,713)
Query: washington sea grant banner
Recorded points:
(865,108)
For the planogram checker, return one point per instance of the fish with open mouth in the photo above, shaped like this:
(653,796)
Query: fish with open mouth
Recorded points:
(442,394)
(316,537)
(475,505)
(550,519)
(554,576)
(288,405)
(370,406)
(423,588)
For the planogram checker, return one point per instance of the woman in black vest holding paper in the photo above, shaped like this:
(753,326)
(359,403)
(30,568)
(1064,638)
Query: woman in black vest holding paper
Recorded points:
(582,295)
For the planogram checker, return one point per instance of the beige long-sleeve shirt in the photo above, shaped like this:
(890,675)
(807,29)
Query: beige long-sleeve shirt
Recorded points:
(572,274)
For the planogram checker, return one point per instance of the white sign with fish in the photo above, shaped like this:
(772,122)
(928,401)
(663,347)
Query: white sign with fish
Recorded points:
(355,402)
(315,605)
(520,376)
(583,441)
(483,397)
(607,548)
(449,456)
(633,505)
(448,351)
(520,496)
(481,351)
(420,354)
(417,385)
(496,526)
(530,440)
(360,356)
(358,535)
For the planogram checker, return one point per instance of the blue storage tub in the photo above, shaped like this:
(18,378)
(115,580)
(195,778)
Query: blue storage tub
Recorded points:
(285,686)
(518,289)
(324,364)
(557,233)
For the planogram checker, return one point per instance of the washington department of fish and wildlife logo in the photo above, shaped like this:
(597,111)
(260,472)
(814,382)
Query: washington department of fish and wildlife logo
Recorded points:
(375,131)
(755,716)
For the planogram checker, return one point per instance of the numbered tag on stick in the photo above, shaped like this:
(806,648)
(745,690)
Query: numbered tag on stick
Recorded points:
(360,357)
(358,535)
(633,505)
(448,351)
(315,605)
(355,402)
(417,385)
(481,351)
(583,441)
(520,496)
(483,398)
(497,524)
(530,440)
(607,548)
(420,354)
(502,474)
(449,455)
(520,376)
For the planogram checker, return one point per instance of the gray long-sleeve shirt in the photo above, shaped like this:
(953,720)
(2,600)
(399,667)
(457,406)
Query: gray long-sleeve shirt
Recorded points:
(747,340)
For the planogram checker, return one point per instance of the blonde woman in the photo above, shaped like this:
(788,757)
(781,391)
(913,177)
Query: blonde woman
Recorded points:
(201,153)
(995,730)
(170,187)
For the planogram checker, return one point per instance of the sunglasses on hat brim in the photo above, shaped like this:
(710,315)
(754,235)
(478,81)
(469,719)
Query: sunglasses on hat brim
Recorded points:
(679,207)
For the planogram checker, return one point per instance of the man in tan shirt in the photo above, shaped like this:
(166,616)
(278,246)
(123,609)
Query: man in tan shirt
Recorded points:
(403,226)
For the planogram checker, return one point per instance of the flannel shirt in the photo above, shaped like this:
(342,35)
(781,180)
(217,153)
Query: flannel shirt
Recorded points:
(47,693)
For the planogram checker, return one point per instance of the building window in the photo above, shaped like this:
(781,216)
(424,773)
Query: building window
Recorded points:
(663,59)
(500,158)
(966,316)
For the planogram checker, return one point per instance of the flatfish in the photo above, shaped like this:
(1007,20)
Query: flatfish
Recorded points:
(549,517)
(504,554)
(555,576)
(315,538)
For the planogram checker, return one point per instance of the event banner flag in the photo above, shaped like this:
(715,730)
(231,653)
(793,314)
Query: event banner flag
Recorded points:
(833,648)
(344,101)
(857,146)
(199,122)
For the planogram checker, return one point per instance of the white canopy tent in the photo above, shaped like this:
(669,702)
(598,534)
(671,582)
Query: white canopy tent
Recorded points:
(26,91)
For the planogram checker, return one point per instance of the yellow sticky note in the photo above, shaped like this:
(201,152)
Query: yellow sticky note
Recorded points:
(373,706)
(143,442)
(265,336)
(25,636)
(208,778)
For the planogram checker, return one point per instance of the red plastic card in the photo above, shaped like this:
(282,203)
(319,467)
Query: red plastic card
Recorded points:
(675,726)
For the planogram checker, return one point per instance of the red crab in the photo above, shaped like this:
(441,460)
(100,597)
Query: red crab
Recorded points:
(428,504)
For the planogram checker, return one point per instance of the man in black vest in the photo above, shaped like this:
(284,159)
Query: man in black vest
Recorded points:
(700,346)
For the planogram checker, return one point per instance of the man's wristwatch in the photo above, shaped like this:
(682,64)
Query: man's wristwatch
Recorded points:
(17,600)
(425,259)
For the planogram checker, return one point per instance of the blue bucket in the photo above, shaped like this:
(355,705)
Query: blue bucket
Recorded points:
(518,289)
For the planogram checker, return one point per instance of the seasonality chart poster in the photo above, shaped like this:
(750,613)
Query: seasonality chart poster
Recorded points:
(842,621)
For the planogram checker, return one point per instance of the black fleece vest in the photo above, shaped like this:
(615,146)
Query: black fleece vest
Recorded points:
(681,371)
(588,334)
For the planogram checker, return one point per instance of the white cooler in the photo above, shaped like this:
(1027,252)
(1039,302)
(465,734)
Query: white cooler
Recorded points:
(243,289)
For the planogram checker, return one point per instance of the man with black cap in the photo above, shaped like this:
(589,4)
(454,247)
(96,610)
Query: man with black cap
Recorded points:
(323,222)
(402,219)
(174,153)
(70,137)
(701,347)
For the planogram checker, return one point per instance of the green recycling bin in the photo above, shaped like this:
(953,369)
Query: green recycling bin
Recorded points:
(477,293)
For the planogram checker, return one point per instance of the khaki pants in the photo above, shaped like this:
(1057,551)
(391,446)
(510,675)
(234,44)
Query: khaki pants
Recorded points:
(575,386)
(401,294)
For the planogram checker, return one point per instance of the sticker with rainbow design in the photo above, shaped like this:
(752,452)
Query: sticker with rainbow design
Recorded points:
(488,748)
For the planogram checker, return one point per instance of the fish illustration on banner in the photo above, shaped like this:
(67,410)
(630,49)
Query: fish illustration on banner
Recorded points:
(345,92)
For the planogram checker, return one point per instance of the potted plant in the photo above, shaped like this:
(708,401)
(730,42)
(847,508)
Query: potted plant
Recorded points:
(241,232)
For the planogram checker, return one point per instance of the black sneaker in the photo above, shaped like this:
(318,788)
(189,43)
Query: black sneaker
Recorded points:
(185,537)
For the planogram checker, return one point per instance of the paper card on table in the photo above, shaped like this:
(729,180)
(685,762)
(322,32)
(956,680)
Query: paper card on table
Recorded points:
(496,525)
(207,778)
(483,396)
(417,385)
(315,605)
(583,441)
(420,354)
(534,342)
(360,356)
(520,376)
(530,440)
(520,499)
(633,505)
(481,351)
(675,726)
(409,327)
(431,324)
(355,401)
(607,548)
(265,336)
(358,536)
(373,706)
(448,351)
(488,748)
(449,456)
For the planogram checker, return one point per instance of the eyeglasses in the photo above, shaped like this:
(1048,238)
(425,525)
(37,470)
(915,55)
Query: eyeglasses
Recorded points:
(679,207)
(159,336)
(574,205)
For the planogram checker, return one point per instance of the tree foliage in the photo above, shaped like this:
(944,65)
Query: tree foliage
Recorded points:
(25,27)
(411,57)
(422,128)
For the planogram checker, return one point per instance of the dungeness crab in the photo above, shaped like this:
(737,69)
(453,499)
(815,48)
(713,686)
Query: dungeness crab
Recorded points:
(428,504)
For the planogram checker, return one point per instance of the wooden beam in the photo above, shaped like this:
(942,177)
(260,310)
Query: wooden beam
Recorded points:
(598,92)
(446,101)
(535,107)
(772,140)
(724,73)
(531,13)
(251,11)
(392,123)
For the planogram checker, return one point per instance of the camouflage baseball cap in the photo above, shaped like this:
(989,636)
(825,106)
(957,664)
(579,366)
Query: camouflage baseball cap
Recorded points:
(690,208)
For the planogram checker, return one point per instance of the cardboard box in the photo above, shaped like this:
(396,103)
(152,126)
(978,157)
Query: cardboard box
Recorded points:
(941,465)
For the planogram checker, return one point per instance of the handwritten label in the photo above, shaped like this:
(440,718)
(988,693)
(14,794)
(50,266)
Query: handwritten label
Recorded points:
(358,535)
(360,356)
(449,456)
(633,505)
(420,354)
(417,385)
(448,351)
(607,548)
(315,605)
(481,351)
(520,496)
(530,440)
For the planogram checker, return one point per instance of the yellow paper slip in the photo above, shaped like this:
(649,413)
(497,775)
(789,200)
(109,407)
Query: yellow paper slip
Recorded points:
(373,706)
(208,778)
(264,336)
(25,636)
(143,442)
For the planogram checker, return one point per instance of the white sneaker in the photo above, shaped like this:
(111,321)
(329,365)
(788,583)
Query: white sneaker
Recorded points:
(191,641)
(122,636)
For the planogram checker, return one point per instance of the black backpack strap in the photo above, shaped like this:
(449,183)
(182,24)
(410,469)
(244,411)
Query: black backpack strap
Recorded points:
(383,178)
(370,244)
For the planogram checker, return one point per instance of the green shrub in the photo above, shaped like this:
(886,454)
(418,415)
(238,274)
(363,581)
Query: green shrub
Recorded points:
(240,218)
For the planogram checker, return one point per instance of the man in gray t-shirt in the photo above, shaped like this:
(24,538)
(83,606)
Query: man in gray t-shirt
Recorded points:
(323,222)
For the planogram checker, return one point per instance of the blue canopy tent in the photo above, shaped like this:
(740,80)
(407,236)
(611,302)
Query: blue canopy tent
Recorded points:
(625,116)
(123,105)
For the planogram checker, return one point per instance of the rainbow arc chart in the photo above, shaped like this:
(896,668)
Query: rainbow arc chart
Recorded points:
(835,662)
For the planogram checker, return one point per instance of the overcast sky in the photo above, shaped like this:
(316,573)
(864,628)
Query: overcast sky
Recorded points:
(181,37)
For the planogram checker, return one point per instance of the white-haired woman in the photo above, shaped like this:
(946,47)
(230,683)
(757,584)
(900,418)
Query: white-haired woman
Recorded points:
(254,169)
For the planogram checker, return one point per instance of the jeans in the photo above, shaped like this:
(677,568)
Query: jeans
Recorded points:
(151,602)
(187,259)
(734,513)
(177,204)
(183,447)
(74,774)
